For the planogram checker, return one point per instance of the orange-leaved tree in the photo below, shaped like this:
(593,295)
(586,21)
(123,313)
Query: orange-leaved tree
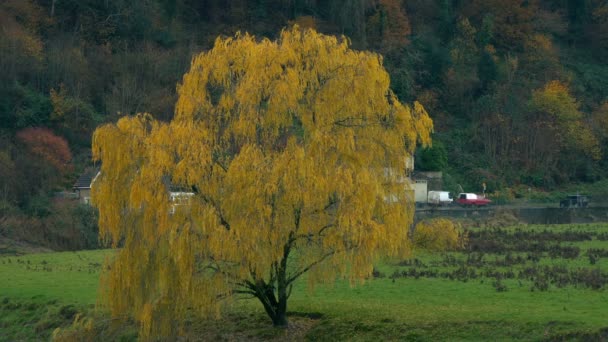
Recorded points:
(291,157)
(43,143)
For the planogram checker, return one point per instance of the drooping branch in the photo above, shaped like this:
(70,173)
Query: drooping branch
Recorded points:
(245,292)
(351,122)
(296,275)
(218,210)
(309,236)
(222,166)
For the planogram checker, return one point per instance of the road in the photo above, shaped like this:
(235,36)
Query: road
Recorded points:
(456,207)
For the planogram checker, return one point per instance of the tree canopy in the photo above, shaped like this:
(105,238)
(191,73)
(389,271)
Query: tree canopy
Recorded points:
(294,152)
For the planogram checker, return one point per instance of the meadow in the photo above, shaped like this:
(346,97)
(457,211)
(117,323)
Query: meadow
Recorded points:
(515,283)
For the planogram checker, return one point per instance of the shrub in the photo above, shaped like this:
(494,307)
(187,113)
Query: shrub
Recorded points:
(499,286)
(502,196)
(66,225)
(438,234)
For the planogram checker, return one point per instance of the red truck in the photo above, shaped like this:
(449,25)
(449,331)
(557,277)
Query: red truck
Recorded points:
(470,200)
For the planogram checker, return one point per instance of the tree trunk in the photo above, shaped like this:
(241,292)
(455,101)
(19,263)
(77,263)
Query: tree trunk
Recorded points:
(274,305)
(280,318)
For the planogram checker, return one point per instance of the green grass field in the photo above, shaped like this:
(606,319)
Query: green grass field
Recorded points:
(539,286)
(39,292)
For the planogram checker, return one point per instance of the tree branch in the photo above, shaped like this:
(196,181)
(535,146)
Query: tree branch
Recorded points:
(248,292)
(307,268)
(208,200)
(348,122)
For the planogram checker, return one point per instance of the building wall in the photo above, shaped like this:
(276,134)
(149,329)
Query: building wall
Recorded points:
(84,196)
(434,179)
(420,191)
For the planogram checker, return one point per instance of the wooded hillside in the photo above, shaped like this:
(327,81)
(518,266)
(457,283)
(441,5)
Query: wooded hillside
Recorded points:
(518,89)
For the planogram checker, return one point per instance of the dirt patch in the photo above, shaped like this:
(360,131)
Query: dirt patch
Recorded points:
(297,329)
(252,327)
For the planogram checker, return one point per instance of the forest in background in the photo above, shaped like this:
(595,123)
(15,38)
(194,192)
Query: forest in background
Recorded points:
(518,89)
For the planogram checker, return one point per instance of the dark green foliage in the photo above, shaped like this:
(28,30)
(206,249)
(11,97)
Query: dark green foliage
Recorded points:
(38,206)
(85,218)
(22,106)
(487,70)
(486,31)
(434,158)
(591,81)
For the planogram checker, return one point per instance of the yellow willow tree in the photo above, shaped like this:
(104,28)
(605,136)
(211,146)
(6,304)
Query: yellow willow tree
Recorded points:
(291,159)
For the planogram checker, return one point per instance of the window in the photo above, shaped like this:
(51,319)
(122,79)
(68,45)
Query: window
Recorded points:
(179,199)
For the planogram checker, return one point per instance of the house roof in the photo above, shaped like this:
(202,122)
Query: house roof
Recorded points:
(86,179)
(88,176)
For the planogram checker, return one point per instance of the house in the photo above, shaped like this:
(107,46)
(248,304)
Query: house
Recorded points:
(82,187)
(179,196)
(433,178)
(418,186)
(416,189)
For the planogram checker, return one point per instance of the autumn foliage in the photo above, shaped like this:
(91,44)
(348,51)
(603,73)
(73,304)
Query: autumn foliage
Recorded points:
(290,148)
(389,26)
(473,64)
(48,146)
(559,129)
(438,234)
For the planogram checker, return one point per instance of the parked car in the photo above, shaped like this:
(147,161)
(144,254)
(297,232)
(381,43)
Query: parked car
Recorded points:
(470,200)
(574,201)
(439,198)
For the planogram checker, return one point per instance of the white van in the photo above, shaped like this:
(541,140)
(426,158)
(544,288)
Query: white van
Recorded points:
(439,198)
